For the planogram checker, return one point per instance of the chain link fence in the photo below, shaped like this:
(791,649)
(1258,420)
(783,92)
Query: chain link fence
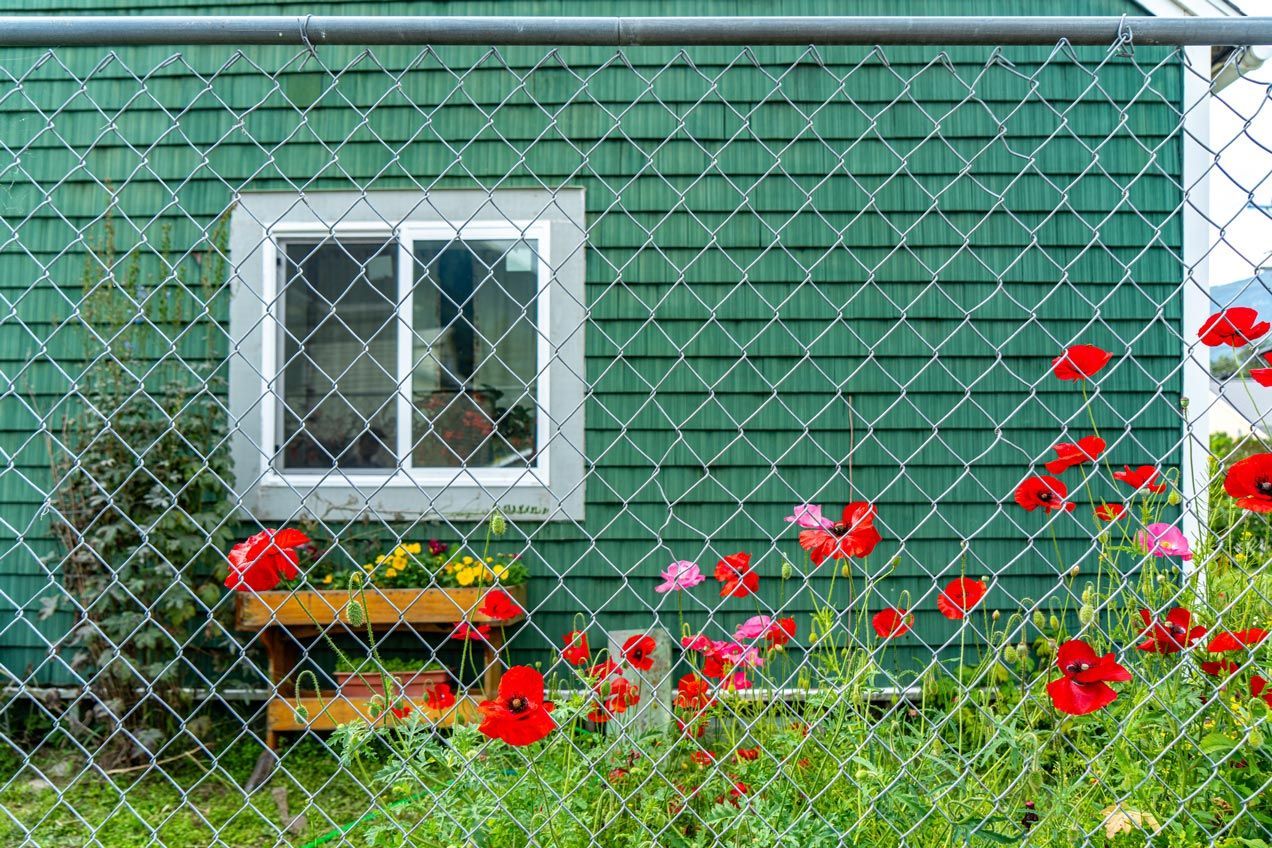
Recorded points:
(362,398)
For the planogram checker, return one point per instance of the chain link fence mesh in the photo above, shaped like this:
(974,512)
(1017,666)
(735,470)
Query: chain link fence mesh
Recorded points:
(564,321)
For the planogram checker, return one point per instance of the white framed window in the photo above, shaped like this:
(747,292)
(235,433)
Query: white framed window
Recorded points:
(404,355)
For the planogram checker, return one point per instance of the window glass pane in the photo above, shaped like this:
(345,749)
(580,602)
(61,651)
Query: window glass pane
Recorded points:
(339,355)
(475,353)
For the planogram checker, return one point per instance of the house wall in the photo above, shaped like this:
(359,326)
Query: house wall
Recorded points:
(800,288)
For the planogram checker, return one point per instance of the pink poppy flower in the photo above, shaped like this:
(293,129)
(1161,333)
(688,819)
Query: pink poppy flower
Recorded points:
(809,516)
(753,628)
(1162,540)
(678,576)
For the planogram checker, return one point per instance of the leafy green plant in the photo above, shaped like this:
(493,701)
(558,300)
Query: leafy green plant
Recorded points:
(139,499)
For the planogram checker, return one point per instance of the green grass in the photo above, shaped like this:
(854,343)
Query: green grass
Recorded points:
(194,802)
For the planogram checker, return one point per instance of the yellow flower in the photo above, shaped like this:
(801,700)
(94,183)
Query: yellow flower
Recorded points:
(413,548)
(490,559)
(392,572)
(501,571)
(450,567)
(468,560)
(381,558)
(327,580)
(466,576)
(368,567)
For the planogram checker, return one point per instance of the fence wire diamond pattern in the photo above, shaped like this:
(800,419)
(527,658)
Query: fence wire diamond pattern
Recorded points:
(359,401)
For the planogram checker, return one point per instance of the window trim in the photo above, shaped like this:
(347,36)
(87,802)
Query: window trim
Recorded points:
(552,490)
(406,235)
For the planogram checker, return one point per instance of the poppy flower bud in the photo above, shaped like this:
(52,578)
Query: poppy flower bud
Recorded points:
(1054,622)
(787,570)
(1173,498)
(1009,654)
(355,613)
(302,713)
(1086,614)
(1088,594)
(995,615)
(845,570)
(1075,571)
(498,524)
(1039,620)
(1256,738)
(1022,650)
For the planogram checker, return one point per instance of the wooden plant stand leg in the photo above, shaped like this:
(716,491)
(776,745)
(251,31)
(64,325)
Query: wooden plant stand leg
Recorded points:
(494,669)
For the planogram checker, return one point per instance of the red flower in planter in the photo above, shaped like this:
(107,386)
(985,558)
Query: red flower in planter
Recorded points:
(401,712)
(1080,362)
(1140,478)
(1171,635)
(1110,512)
(1259,689)
(780,632)
(891,622)
(1236,326)
(1085,685)
(1043,491)
(638,651)
(465,631)
(265,560)
(576,651)
(693,693)
(437,548)
(1069,454)
(440,697)
(854,536)
(1250,482)
(960,597)
(737,580)
(519,715)
(1237,641)
(499,605)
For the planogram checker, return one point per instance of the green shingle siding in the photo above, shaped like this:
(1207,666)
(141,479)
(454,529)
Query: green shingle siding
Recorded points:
(754,321)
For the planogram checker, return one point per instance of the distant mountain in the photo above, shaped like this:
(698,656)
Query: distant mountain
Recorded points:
(1253,291)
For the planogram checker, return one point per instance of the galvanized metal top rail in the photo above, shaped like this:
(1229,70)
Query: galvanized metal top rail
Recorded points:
(19,31)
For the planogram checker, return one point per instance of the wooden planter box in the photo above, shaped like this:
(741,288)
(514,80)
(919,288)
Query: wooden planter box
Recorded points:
(409,684)
(314,609)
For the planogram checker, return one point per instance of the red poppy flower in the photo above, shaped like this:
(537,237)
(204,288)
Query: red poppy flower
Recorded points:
(739,789)
(1080,362)
(616,694)
(780,632)
(1237,641)
(747,753)
(1171,635)
(576,652)
(602,670)
(1110,512)
(519,715)
(1069,454)
(1259,689)
(1043,491)
(854,536)
(638,651)
(891,622)
(693,693)
(1085,685)
(691,730)
(737,580)
(1140,478)
(960,597)
(440,697)
(499,605)
(265,560)
(1250,482)
(401,712)
(702,758)
(1220,668)
(1236,326)
(465,631)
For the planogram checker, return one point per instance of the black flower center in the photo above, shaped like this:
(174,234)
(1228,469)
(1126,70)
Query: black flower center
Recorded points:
(518,704)
(1044,496)
(1077,667)
(840,529)
(1177,630)
(1264,487)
